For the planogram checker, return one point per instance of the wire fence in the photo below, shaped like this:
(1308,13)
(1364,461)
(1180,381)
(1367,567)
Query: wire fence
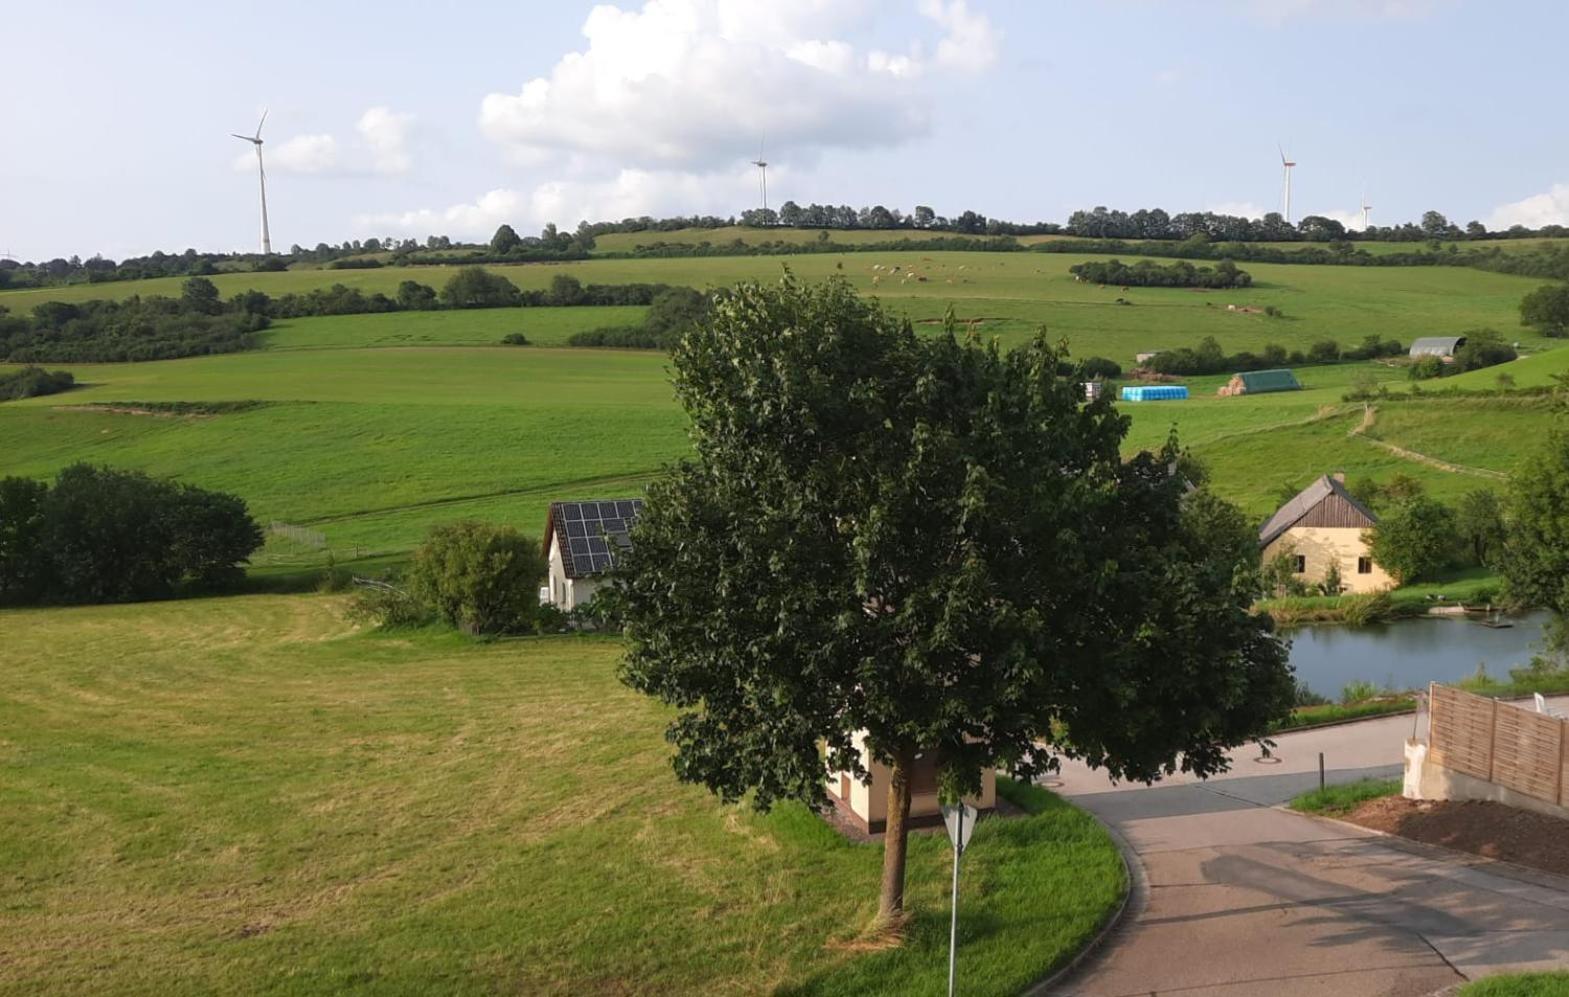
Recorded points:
(314,540)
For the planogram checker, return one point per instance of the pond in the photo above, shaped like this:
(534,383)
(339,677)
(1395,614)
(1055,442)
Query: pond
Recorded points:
(1408,654)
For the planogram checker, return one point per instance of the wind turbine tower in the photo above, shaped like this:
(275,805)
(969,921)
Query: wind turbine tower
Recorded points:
(1367,210)
(1285,168)
(762,175)
(261,173)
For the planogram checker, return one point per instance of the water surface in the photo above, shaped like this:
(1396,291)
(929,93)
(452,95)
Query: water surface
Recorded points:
(1408,654)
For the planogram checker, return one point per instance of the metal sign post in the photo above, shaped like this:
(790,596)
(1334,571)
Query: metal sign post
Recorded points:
(960,819)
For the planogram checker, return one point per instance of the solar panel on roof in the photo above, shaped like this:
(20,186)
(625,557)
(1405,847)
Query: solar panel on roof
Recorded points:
(595,531)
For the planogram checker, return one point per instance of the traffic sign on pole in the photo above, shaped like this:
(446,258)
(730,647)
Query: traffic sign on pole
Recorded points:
(960,819)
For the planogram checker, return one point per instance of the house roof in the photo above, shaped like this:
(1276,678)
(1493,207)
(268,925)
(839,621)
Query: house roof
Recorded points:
(590,533)
(1260,381)
(1437,346)
(1323,503)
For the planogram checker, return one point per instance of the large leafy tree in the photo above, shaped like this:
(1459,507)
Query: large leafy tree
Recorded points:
(934,542)
(1534,559)
(1547,309)
(1417,539)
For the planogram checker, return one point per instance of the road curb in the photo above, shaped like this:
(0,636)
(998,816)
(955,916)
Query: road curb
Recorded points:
(1133,900)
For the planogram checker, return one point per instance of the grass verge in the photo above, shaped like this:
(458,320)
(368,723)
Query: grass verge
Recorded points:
(1334,801)
(1329,713)
(245,795)
(1519,985)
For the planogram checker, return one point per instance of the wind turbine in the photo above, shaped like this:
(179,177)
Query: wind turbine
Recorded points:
(762,168)
(261,172)
(1285,168)
(1367,209)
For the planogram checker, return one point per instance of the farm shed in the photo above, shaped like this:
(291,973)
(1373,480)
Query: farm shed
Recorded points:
(1443,347)
(1259,382)
(1322,527)
(1154,392)
(867,805)
(582,540)
(1144,358)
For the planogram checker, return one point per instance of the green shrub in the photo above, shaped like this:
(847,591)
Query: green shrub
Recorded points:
(476,287)
(101,535)
(32,382)
(1305,696)
(514,339)
(1367,607)
(479,577)
(387,604)
(1359,691)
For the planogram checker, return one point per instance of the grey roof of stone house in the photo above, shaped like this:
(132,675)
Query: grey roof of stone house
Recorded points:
(1323,503)
(1437,346)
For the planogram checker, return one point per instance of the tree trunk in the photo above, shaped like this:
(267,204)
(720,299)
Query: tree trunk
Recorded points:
(890,907)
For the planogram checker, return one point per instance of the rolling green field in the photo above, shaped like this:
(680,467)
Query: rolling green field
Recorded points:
(245,795)
(379,426)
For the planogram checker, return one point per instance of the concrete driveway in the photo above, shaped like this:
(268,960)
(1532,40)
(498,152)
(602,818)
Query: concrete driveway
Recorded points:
(1235,896)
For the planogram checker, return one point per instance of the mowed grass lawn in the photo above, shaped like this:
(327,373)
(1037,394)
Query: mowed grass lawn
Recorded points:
(247,796)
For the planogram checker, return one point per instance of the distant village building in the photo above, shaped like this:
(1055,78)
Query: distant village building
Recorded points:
(1442,347)
(1258,382)
(1144,358)
(582,540)
(1093,390)
(1323,526)
(867,806)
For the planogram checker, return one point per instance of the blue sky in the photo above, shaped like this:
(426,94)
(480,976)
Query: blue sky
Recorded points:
(415,120)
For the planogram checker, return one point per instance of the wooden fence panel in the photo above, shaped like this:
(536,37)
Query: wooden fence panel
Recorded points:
(1527,752)
(1461,736)
(1563,774)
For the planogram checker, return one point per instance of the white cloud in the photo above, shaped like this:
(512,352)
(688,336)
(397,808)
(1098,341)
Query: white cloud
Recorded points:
(629,193)
(300,154)
(969,42)
(380,145)
(1352,220)
(385,133)
(693,84)
(1240,209)
(1548,208)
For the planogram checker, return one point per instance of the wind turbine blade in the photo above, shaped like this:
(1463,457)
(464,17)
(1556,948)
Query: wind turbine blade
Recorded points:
(259,124)
(245,137)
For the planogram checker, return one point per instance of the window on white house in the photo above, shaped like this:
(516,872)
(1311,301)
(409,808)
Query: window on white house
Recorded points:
(1364,565)
(1301,565)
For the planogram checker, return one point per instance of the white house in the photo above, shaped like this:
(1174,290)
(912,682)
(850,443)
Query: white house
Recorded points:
(582,540)
(867,805)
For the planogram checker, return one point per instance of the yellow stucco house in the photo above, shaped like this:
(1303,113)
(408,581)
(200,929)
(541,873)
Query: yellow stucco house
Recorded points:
(1324,525)
(867,805)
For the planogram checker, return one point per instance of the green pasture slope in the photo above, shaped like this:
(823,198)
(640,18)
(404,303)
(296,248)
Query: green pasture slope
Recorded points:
(245,796)
(379,426)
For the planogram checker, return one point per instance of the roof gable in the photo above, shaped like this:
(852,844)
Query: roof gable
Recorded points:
(590,534)
(1324,503)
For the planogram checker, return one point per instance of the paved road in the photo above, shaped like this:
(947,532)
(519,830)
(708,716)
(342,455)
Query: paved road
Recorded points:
(1238,898)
